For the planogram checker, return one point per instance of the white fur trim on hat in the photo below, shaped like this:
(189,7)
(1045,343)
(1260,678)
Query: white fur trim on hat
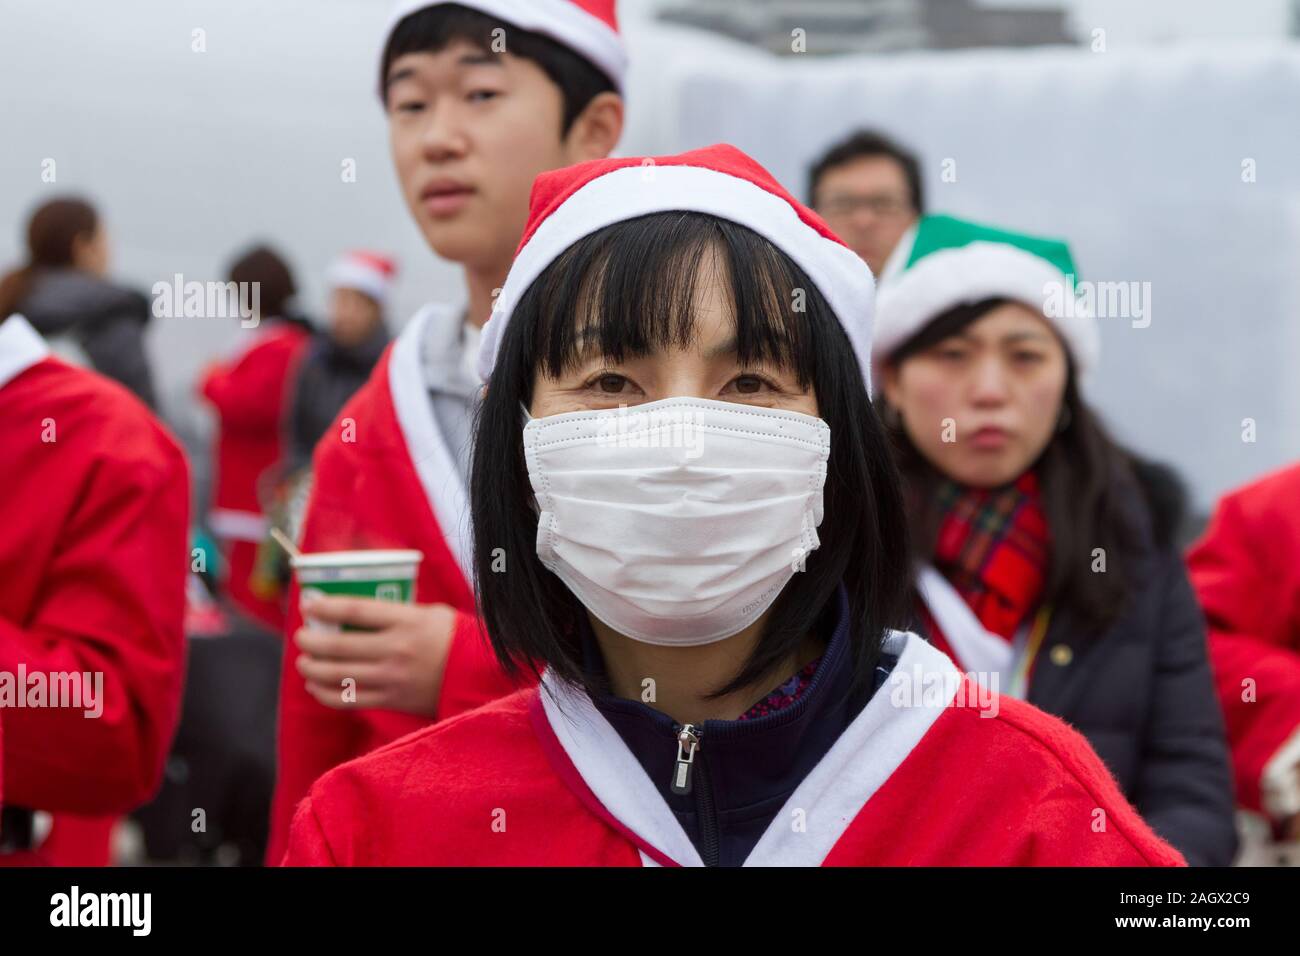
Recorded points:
(561,20)
(842,278)
(353,272)
(974,272)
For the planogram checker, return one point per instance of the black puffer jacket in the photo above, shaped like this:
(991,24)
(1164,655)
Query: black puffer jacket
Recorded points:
(327,378)
(1142,692)
(104,321)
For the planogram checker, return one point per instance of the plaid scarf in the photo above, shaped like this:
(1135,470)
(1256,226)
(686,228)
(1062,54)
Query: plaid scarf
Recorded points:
(993,548)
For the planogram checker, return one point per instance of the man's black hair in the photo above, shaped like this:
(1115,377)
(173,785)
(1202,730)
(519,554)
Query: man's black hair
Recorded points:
(433,29)
(863,144)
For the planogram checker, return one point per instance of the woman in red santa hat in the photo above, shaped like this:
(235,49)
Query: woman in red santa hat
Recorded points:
(687,519)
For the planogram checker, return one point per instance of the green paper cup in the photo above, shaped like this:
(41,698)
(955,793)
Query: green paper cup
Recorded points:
(382,575)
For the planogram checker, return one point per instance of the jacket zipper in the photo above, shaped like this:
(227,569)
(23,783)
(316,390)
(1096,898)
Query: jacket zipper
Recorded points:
(688,742)
(690,776)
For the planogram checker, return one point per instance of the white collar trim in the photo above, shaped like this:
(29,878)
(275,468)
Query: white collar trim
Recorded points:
(975,648)
(425,443)
(21,347)
(613,773)
(824,804)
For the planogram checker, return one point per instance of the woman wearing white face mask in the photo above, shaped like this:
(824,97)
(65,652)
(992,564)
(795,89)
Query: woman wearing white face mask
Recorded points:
(707,577)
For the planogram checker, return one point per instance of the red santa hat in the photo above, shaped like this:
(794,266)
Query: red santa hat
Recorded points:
(587,27)
(568,204)
(366,272)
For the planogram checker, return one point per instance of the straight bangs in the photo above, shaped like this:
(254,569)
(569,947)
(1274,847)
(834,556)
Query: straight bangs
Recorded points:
(629,290)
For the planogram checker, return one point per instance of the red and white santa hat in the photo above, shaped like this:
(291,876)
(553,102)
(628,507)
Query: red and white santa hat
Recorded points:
(367,272)
(587,27)
(568,204)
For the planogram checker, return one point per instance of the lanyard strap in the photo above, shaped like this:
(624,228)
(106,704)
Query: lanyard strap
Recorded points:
(974,648)
(1019,686)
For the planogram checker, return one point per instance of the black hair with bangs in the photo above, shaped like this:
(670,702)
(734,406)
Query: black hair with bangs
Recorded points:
(433,29)
(631,285)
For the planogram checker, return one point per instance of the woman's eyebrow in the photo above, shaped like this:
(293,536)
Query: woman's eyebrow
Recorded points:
(588,338)
(398,75)
(585,337)
(964,336)
(729,347)
(1035,335)
(481,59)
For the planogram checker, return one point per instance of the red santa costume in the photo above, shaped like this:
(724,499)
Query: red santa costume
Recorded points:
(250,394)
(397,485)
(394,486)
(94,585)
(543,778)
(536,780)
(1246,571)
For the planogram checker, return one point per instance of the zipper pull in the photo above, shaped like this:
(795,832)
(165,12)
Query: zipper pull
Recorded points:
(688,741)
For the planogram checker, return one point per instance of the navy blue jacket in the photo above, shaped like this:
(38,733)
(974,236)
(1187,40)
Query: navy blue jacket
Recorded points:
(745,770)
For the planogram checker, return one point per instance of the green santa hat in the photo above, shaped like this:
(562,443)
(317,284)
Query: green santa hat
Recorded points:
(951,262)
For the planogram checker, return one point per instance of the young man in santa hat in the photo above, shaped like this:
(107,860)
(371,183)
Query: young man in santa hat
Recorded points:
(249,393)
(1246,571)
(481,96)
(94,559)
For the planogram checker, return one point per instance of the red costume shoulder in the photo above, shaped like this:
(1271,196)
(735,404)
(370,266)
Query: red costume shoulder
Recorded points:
(1001,786)
(1076,788)
(474,790)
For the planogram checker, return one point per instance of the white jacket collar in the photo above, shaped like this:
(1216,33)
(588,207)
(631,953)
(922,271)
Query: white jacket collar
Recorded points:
(21,347)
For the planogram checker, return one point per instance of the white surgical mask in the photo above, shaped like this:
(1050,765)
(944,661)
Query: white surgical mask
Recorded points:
(677,522)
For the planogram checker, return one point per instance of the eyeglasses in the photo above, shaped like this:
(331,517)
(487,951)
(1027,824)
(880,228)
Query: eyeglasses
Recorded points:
(841,206)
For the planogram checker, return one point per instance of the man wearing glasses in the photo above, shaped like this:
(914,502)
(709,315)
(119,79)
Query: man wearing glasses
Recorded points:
(868,189)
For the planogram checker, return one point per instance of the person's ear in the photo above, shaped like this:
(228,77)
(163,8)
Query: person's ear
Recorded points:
(597,129)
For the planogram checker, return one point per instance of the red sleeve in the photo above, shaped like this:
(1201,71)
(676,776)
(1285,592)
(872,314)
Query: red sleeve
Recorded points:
(312,738)
(1244,570)
(1079,817)
(239,389)
(473,677)
(112,604)
(307,843)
